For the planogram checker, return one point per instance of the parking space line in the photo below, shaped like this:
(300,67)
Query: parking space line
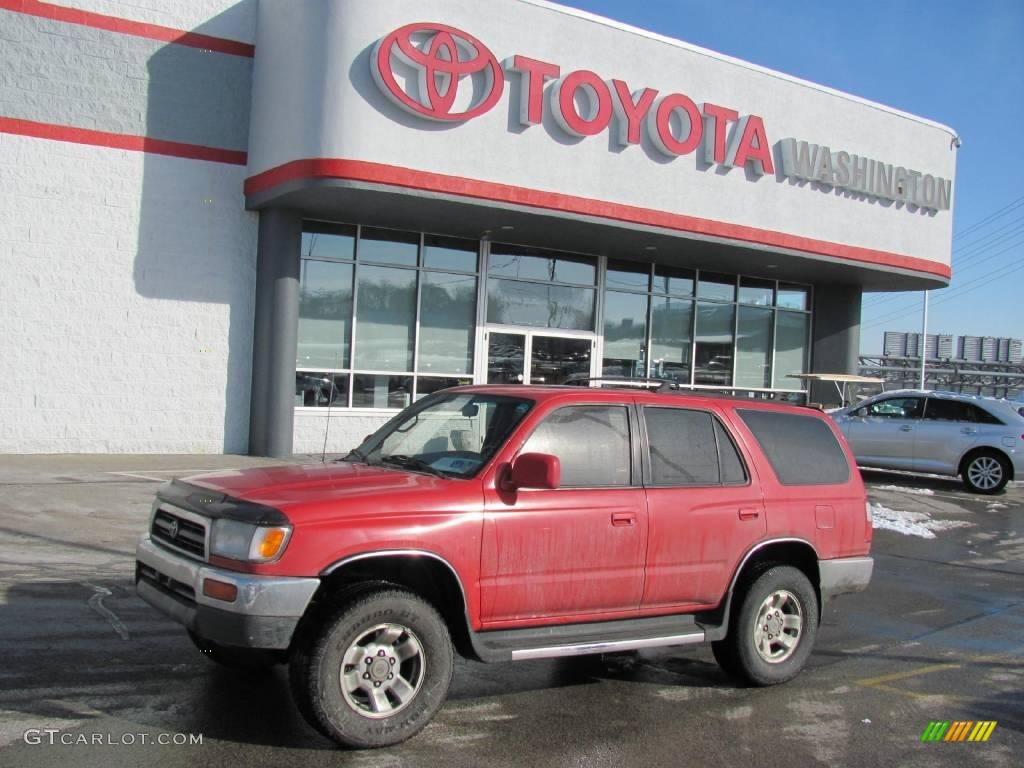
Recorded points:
(877,681)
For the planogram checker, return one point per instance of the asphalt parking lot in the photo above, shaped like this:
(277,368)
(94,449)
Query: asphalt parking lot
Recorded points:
(938,636)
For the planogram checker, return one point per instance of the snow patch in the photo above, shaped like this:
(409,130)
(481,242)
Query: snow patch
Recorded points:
(911,523)
(904,489)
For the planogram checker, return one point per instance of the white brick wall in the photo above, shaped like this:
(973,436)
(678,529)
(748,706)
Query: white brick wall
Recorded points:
(126,301)
(348,428)
(233,19)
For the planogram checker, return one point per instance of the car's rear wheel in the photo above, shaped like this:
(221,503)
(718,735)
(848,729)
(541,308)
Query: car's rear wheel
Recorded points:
(772,632)
(376,671)
(985,472)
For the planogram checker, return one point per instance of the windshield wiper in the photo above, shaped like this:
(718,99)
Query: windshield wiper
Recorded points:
(411,462)
(354,455)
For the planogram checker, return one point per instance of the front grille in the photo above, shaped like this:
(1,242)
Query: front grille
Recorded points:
(180,533)
(166,583)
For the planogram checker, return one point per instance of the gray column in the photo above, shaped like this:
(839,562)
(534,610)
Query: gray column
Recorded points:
(835,344)
(276,333)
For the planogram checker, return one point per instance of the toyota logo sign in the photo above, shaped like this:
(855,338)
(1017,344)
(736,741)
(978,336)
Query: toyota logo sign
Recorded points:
(438,72)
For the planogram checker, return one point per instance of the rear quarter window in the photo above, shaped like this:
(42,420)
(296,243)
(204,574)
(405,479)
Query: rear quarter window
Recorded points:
(802,450)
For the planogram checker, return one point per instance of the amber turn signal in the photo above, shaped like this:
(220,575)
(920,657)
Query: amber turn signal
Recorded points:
(270,542)
(220,590)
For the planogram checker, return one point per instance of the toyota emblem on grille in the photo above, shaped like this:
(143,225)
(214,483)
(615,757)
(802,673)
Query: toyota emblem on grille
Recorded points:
(425,68)
(172,529)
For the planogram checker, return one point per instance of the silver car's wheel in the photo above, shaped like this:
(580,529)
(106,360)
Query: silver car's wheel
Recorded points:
(986,472)
(778,626)
(383,670)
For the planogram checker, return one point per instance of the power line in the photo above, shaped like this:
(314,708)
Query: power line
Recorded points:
(989,277)
(1019,202)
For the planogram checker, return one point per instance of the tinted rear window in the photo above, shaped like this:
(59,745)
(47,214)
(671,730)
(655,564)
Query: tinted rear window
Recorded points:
(801,449)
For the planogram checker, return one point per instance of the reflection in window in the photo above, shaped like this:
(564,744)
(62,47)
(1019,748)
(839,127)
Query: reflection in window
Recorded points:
(320,390)
(447,322)
(540,305)
(385,246)
(671,339)
(754,348)
(625,275)
(328,241)
(325,315)
(713,356)
(385,318)
(791,330)
(370,391)
(449,254)
(625,334)
(718,287)
(675,282)
(428,385)
(792,297)
(591,442)
(754,291)
(532,264)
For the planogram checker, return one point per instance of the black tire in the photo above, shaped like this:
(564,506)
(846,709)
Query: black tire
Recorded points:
(985,472)
(236,658)
(365,626)
(738,654)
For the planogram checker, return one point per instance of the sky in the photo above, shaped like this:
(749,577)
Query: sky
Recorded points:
(961,64)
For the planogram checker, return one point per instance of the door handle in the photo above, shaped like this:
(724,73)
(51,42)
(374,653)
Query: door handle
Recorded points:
(623,519)
(969,430)
(750,513)
(905,428)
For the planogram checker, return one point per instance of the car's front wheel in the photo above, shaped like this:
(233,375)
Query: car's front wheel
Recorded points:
(772,632)
(376,671)
(985,472)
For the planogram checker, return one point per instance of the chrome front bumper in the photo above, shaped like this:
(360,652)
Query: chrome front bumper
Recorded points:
(843,575)
(264,615)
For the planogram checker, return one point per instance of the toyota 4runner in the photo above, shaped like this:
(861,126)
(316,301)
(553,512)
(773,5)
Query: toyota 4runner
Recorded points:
(514,523)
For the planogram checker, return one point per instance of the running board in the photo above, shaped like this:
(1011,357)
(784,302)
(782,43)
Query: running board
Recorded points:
(582,639)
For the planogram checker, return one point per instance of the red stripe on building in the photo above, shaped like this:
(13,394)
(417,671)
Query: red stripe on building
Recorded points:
(376,173)
(120,141)
(126,27)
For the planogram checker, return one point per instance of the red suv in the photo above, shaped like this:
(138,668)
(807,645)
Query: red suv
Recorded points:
(514,523)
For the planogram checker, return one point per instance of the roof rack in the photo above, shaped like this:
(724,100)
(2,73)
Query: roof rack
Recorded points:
(626,382)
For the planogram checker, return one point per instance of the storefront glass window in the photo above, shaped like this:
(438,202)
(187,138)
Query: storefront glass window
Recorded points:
(371,391)
(385,318)
(321,390)
(449,254)
(540,305)
(625,334)
(671,339)
(447,323)
(674,282)
(328,241)
(627,276)
(714,349)
(791,329)
(384,246)
(531,264)
(792,297)
(754,348)
(715,286)
(759,292)
(325,314)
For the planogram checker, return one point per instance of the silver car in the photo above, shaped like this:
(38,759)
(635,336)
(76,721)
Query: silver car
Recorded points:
(980,439)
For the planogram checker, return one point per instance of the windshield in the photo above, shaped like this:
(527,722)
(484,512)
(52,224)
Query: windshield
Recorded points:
(448,434)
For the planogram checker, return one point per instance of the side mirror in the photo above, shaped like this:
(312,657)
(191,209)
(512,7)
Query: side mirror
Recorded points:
(860,413)
(535,470)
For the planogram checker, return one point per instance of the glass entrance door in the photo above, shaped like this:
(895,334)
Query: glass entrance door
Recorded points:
(537,358)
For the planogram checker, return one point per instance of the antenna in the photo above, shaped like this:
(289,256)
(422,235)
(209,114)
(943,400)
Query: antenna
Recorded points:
(327,429)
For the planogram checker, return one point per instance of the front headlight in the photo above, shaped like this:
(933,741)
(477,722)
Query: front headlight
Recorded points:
(248,542)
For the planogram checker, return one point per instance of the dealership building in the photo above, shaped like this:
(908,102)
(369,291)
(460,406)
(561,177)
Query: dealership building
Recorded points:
(264,226)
